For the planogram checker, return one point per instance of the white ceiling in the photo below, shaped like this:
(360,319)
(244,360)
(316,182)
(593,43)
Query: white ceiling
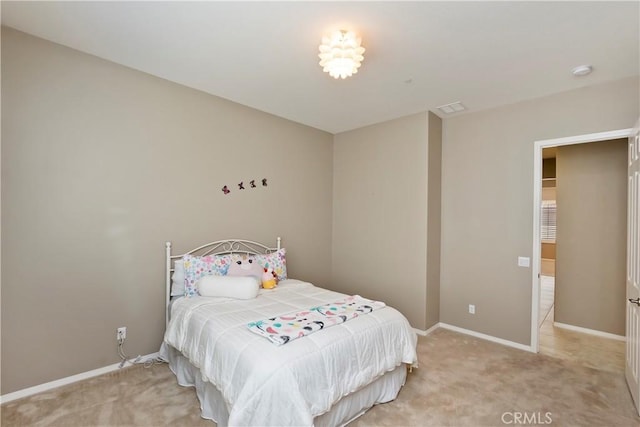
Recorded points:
(419,54)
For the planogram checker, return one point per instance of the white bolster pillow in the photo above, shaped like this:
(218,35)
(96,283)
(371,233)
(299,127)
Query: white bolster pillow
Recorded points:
(177,278)
(238,287)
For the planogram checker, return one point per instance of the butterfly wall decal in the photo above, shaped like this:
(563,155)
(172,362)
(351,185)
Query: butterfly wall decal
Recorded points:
(252,184)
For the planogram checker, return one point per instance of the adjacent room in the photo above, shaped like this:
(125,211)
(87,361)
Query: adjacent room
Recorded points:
(582,304)
(320,213)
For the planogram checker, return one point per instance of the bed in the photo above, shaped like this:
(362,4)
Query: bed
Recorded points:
(328,377)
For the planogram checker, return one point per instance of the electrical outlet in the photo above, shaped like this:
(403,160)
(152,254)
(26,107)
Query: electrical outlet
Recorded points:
(523,261)
(472,309)
(122,333)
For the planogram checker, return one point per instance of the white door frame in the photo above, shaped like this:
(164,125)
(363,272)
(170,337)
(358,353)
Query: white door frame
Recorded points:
(537,201)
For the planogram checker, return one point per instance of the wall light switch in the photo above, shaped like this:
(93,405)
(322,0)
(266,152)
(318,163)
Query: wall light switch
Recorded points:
(523,261)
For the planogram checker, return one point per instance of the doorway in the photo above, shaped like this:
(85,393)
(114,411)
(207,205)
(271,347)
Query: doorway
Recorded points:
(539,146)
(586,215)
(548,227)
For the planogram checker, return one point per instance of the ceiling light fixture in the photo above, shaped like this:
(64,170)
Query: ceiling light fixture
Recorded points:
(582,70)
(341,54)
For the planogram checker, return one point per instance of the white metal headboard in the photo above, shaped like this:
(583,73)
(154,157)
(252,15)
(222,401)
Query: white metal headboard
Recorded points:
(219,247)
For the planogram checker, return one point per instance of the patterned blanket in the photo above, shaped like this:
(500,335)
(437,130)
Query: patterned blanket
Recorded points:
(282,329)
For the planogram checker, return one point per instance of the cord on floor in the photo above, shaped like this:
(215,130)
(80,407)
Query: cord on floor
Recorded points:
(138,360)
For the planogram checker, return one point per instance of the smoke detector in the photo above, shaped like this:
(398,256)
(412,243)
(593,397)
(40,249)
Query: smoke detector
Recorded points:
(582,70)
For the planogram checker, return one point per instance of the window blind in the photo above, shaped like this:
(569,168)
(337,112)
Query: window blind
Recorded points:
(548,220)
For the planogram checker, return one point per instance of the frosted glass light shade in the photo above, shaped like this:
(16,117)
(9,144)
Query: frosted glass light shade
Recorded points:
(341,54)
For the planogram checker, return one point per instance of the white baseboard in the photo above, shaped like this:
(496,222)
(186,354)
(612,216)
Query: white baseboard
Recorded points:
(428,331)
(68,380)
(590,331)
(487,337)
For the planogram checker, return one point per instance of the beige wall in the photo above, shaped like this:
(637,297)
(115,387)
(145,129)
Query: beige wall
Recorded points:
(487,199)
(380,214)
(592,236)
(434,207)
(101,165)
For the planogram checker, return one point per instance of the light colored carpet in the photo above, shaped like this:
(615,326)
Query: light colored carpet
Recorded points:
(462,381)
(588,350)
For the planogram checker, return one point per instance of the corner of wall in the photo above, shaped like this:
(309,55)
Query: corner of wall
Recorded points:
(434,205)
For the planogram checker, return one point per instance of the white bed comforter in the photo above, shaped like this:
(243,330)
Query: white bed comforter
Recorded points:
(265,384)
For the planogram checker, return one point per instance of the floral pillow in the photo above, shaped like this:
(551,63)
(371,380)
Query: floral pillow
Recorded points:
(196,267)
(276,261)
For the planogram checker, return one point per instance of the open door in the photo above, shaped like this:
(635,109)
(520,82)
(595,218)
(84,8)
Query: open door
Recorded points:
(632,365)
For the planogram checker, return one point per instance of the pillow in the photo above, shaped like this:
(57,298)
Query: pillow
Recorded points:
(239,287)
(177,278)
(275,260)
(196,267)
(244,265)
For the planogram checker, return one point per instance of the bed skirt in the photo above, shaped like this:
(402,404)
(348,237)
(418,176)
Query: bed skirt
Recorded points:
(381,390)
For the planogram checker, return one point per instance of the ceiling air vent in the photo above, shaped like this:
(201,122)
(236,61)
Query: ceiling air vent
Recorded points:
(454,107)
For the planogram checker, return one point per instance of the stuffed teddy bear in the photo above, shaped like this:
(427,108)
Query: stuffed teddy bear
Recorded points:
(269,278)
